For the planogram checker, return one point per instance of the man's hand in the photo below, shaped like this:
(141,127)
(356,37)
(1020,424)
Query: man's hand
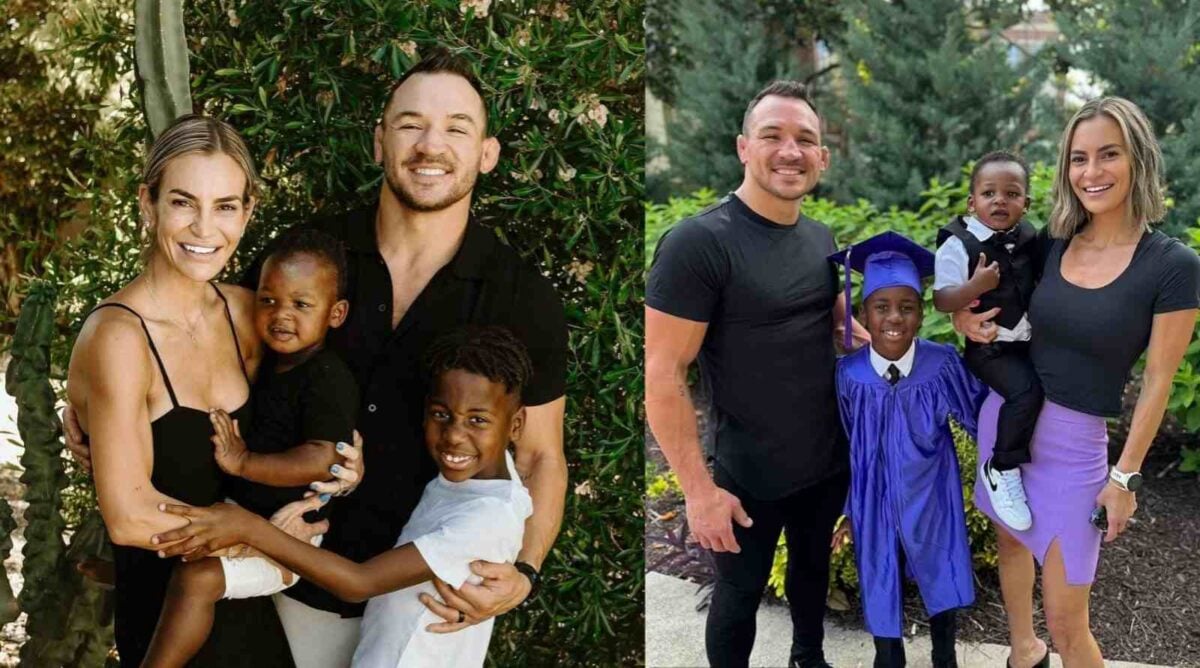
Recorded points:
(1120,506)
(842,535)
(503,588)
(711,515)
(348,474)
(976,326)
(987,276)
(77,441)
(229,449)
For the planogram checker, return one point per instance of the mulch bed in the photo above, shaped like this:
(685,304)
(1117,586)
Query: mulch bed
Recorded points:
(1145,605)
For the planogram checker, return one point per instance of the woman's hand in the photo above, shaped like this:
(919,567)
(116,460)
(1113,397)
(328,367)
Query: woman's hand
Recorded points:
(1120,506)
(976,326)
(229,448)
(290,518)
(503,588)
(208,530)
(348,474)
(77,441)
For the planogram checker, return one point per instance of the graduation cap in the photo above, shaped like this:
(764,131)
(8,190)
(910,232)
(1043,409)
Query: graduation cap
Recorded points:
(885,260)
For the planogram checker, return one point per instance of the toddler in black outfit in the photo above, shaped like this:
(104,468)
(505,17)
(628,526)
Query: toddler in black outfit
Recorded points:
(304,403)
(991,256)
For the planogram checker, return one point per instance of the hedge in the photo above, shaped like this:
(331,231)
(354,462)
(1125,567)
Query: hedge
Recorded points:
(304,81)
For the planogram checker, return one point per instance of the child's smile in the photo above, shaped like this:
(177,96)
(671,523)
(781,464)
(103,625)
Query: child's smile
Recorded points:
(296,304)
(469,422)
(893,319)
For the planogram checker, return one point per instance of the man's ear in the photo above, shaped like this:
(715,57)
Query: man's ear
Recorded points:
(379,143)
(826,156)
(742,142)
(491,155)
(337,314)
(517,425)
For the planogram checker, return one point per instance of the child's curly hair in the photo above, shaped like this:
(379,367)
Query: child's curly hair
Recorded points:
(490,351)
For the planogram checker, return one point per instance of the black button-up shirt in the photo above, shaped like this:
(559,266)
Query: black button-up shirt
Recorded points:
(486,282)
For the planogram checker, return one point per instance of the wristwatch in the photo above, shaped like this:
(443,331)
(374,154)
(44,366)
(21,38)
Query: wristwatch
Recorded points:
(1130,482)
(535,579)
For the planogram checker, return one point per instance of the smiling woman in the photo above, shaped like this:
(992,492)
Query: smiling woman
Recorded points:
(135,384)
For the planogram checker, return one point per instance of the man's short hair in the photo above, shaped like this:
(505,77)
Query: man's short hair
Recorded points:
(779,88)
(440,61)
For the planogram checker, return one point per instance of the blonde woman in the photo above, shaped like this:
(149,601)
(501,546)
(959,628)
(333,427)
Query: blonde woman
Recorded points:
(1111,288)
(149,364)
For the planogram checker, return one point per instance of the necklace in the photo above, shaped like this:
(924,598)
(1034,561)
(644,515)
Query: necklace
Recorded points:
(181,323)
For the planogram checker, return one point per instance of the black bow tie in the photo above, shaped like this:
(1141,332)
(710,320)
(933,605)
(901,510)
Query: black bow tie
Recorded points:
(893,374)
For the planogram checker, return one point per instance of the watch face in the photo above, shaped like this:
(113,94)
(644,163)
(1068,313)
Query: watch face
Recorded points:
(1134,483)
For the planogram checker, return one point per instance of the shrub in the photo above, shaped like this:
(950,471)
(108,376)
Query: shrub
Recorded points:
(304,80)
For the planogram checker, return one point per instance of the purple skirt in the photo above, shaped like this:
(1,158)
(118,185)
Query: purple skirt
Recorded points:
(1069,467)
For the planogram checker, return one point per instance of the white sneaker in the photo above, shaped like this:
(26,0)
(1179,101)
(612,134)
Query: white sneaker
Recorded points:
(1007,495)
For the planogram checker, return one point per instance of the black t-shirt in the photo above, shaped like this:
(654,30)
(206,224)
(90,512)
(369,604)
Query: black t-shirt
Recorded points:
(486,283)
(767,293)
(316,400)
(1086,341)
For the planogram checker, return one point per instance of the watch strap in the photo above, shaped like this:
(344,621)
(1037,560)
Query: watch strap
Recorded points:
(1121,478)
(535,578)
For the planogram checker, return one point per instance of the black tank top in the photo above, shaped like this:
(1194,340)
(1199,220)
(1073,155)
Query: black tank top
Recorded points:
(245,632)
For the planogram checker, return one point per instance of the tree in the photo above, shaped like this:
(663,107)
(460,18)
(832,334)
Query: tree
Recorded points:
(732,51)
(1147,52)
(928,89)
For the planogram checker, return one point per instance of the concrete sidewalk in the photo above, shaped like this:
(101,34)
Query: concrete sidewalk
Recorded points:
(675,636)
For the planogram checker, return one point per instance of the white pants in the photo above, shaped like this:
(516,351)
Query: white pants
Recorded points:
(318,639)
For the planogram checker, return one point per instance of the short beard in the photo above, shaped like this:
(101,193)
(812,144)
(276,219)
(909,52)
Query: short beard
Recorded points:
(406,198)
(766,187)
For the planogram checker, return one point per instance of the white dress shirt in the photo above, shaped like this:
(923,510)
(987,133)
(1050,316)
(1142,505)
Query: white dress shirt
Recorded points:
(905,363)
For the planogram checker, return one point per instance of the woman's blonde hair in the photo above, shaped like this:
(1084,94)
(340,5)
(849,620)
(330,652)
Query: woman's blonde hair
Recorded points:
(195,133)
(1145,202)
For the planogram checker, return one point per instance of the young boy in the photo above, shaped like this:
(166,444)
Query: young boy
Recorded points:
(304,405)
(475,509)
(905,502)
(992,256)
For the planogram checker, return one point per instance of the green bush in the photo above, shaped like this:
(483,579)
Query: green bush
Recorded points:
(940,201)
(304,80)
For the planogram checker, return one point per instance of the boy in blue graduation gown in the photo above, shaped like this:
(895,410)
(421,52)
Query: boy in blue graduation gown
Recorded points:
(906,503)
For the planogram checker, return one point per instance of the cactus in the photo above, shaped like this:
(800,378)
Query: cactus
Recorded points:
(44,596)
(161,62)
(8,604)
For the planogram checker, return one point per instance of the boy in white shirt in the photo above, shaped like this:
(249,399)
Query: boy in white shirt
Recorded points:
(474,510)
(991,257)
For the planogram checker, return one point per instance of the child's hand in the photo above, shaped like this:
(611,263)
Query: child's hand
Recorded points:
(842,535)
(208,530)
(987,276)
(230,450)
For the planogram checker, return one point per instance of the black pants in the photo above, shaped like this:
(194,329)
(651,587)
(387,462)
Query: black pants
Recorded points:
(1006,368)
(889,652)
(807,517)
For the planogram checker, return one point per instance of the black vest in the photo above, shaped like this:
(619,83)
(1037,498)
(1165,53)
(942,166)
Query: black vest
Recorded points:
(1015,252)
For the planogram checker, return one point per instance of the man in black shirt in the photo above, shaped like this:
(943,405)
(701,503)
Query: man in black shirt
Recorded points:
(746,287)
(419,267)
